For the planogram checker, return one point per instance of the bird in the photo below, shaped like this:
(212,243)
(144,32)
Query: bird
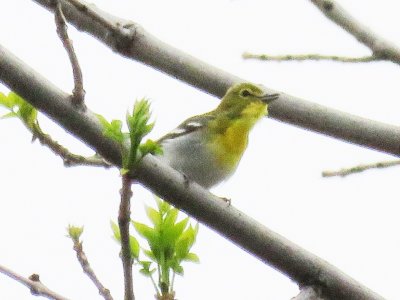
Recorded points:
(207,148)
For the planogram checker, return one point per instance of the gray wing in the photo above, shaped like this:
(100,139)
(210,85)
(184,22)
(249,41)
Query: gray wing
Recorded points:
(187,126)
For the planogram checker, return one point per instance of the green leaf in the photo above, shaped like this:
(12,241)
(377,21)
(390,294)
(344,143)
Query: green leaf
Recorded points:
(147,232)
(15,99)
(173,232)
(145,264)
(190,234)
(178,269)
(6,101)
(185,242)
(116,126)
(116,232)
(112,130)
(192,257)
(103,121)
(154,216)
(170,217)
(146,271)
(151,147)
(150,255)
(133,242)
(163,206)
(135,247)
(9,115)
(28,114)
(182,248)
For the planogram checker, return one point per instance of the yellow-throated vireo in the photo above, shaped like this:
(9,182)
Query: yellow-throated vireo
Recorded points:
(207,148)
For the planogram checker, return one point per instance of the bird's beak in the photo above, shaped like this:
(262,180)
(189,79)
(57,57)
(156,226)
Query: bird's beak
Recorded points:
(268,98)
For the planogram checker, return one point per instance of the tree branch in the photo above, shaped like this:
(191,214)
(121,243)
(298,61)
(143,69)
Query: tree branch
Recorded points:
(33,283)
(361,168)
(87,269)
(271,248)
(78,93)
(303,57)
(134,42)
(124,218)
(70,159)
(380,48)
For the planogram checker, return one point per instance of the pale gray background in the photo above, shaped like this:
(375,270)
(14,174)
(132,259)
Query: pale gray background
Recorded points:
(353,222)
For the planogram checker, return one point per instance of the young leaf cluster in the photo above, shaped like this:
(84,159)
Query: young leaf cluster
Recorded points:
(139,126)
(169,240)
(19,108)
(74,232)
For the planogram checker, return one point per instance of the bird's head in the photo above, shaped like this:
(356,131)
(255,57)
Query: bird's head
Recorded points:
(246,98)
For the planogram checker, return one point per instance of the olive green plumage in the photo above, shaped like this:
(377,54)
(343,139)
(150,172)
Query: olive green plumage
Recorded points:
(207,148)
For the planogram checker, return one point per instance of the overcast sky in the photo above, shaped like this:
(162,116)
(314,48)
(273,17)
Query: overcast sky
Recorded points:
(352,223)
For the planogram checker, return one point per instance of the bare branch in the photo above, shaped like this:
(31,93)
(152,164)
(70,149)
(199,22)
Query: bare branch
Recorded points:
(70,159)
(78,93)
(361,168)
(380,48)
(134,42)
(33,283)
(271,248)
(74,160)
(303,57)
(87,269)
(124,217)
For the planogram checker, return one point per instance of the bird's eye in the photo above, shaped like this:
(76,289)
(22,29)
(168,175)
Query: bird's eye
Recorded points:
(245,93)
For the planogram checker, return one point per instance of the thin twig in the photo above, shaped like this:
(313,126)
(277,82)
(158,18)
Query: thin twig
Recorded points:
(380,47)
(303,57)
(123,222)
(78,93)
(70,159)
(87,269)
(361,168)
(33,283)
(74,160)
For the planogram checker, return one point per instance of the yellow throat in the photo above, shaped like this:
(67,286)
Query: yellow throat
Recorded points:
(240,109)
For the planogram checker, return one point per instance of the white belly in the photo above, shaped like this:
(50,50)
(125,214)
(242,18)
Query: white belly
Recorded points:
(187,156)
